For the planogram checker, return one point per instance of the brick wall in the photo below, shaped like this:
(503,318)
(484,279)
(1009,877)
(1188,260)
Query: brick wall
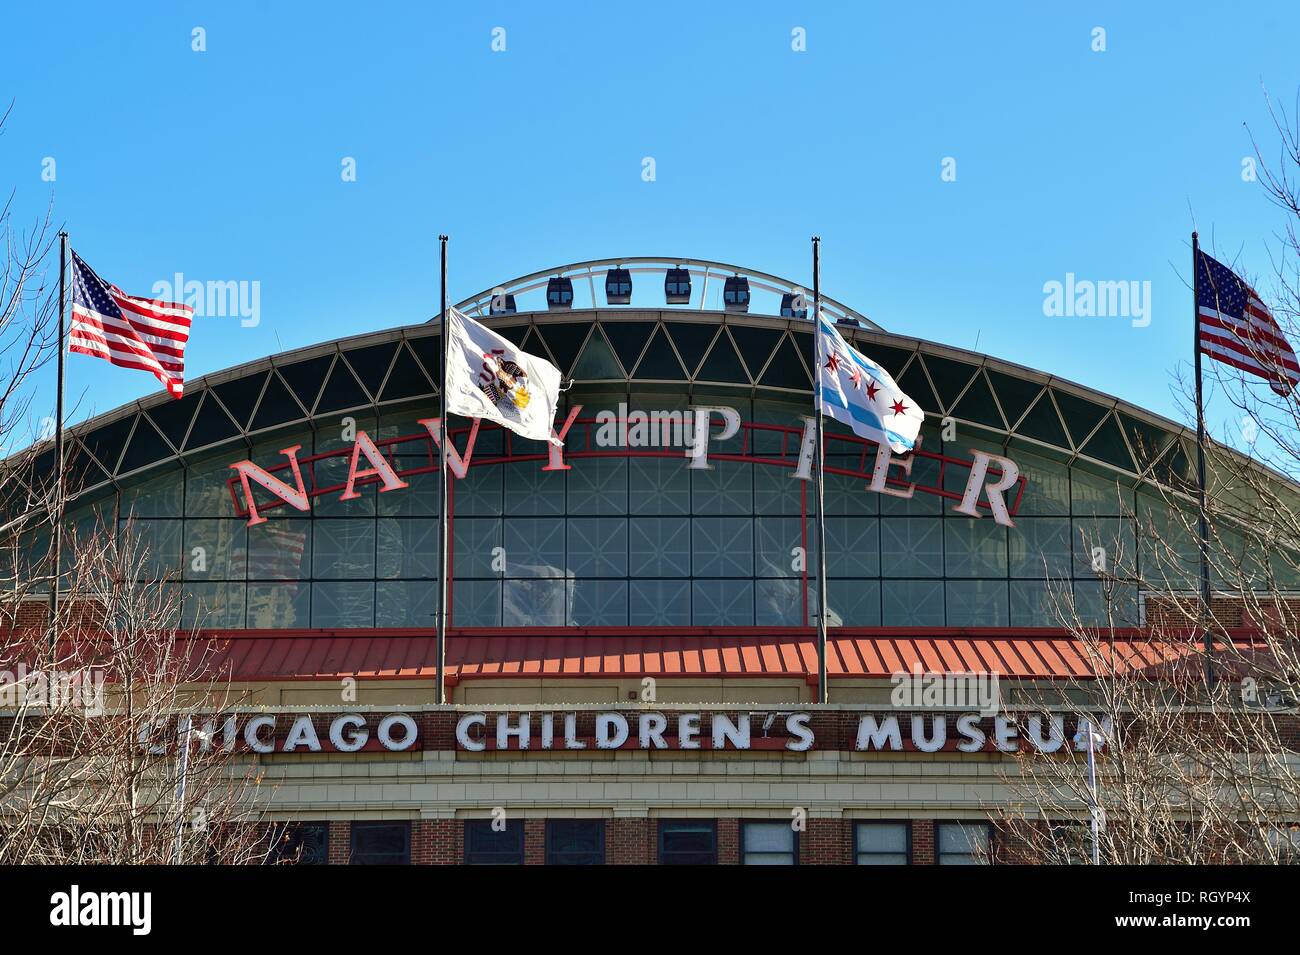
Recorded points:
(923,842)
(534,842)
(629,841)
(826,842)
(340,843)
(728,842)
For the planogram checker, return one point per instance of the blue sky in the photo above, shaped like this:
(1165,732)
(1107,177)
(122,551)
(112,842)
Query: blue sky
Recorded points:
(225,164)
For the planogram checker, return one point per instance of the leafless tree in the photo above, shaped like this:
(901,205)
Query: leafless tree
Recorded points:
(1202,763)
(94,702)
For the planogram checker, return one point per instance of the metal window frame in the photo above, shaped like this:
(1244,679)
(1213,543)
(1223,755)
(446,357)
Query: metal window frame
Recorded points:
(745,823)
(475,825)
(712,825)
(596,821)
(907,842)
(988,828)
(363,825)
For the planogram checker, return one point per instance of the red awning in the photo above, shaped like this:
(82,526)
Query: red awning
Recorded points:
(408,654)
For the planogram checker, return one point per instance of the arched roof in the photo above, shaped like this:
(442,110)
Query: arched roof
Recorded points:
(690,347)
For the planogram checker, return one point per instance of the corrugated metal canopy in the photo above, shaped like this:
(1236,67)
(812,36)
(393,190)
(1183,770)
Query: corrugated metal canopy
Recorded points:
(404,654)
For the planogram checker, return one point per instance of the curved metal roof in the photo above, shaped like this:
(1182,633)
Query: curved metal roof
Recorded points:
(691,349)
(705,270)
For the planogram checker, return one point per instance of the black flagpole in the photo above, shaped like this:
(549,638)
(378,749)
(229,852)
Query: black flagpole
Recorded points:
(57,529)
(440,643)
(1200,468)
(818,464)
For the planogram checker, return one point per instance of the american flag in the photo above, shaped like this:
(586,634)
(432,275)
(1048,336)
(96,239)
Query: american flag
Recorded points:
(128,331)
(1236,328)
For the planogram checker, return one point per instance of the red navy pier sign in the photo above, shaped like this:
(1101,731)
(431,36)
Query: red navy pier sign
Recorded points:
(993,486)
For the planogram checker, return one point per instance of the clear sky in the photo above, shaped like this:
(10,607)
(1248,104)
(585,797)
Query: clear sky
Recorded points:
(226,164)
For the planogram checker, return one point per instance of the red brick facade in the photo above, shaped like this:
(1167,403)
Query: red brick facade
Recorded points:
(634,841)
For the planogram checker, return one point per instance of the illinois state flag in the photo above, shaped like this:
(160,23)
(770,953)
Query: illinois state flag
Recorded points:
(488,377)
(855,391)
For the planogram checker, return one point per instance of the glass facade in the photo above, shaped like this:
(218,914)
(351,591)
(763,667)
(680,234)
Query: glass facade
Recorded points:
(630,536)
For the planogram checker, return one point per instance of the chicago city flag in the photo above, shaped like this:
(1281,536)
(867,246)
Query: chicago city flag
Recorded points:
(489,377)
(127,330)
(855,391)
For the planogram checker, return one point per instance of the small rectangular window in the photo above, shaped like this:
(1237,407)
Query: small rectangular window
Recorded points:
(1071,844)
(882,843)
(381,843)
(964,843)
(768,843)
(688,842)
(301,843)
(485,845)
(575,842)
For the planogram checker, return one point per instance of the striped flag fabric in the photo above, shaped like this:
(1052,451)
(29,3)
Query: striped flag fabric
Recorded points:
(1235,327)
(855,391)
(126,330)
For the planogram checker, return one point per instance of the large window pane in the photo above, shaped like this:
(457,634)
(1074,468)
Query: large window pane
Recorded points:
(912,603)
(381,843)
(659,547)
(688,842)
(722,546)
(473,541)
(533,491)
(537,602)
(778,602)
(476,603)
(279,550)
(155,547)
(964,843)
(598,486)
(777,540)
(575,842)
(725,487)
(975,548)
(534,547)
(977,603)
(882,843)
(658,486)
(852,546)
(722,603)
(344,549)
(777,491)
(277,606)
(598,603)
(485,844)
(768,843)
(215,549)
(1040,548)
(407,603)
(597,546)
(343,603)
(213,605)
(1047,486)
(854,603)
(911,547)
(408,547)
(659,603)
